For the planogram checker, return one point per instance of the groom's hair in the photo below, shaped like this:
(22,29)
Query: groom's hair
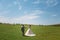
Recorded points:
(22,24)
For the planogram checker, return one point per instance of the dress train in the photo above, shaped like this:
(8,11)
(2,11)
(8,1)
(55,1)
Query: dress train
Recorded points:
(29,33)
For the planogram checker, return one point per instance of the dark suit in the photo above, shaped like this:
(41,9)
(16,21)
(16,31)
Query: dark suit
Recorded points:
(22,29)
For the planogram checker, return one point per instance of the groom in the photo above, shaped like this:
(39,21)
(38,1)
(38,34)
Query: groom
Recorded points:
(22,29)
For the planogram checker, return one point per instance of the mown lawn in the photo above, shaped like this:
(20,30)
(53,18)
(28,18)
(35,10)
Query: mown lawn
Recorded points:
(13,32)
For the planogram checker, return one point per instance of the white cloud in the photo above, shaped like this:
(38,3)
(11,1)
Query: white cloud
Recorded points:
(20,7)
(54,15)
(7,20)
(28,18)
(15,2)
(37,12)
(18,4)
(36,2)
(32,15)
(25,0)
(48,3)
(22,19)
(34,12)
(3,19)
(39,2)
(4,12)
(51,3)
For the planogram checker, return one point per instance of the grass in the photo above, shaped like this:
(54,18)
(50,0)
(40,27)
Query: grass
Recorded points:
(13,32)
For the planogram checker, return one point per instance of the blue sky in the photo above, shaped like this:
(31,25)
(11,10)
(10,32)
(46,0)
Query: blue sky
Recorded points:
(30,11)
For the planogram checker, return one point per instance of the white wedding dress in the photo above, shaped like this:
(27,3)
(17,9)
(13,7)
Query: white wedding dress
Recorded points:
(29,33)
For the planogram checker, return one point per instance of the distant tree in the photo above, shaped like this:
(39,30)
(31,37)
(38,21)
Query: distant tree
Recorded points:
(1,23)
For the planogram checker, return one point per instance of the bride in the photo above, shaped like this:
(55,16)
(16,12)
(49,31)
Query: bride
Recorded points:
(29,32)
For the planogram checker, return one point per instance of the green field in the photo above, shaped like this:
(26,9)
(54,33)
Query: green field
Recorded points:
(13,32)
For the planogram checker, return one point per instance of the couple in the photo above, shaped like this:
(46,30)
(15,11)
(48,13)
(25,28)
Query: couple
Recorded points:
(28,32)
